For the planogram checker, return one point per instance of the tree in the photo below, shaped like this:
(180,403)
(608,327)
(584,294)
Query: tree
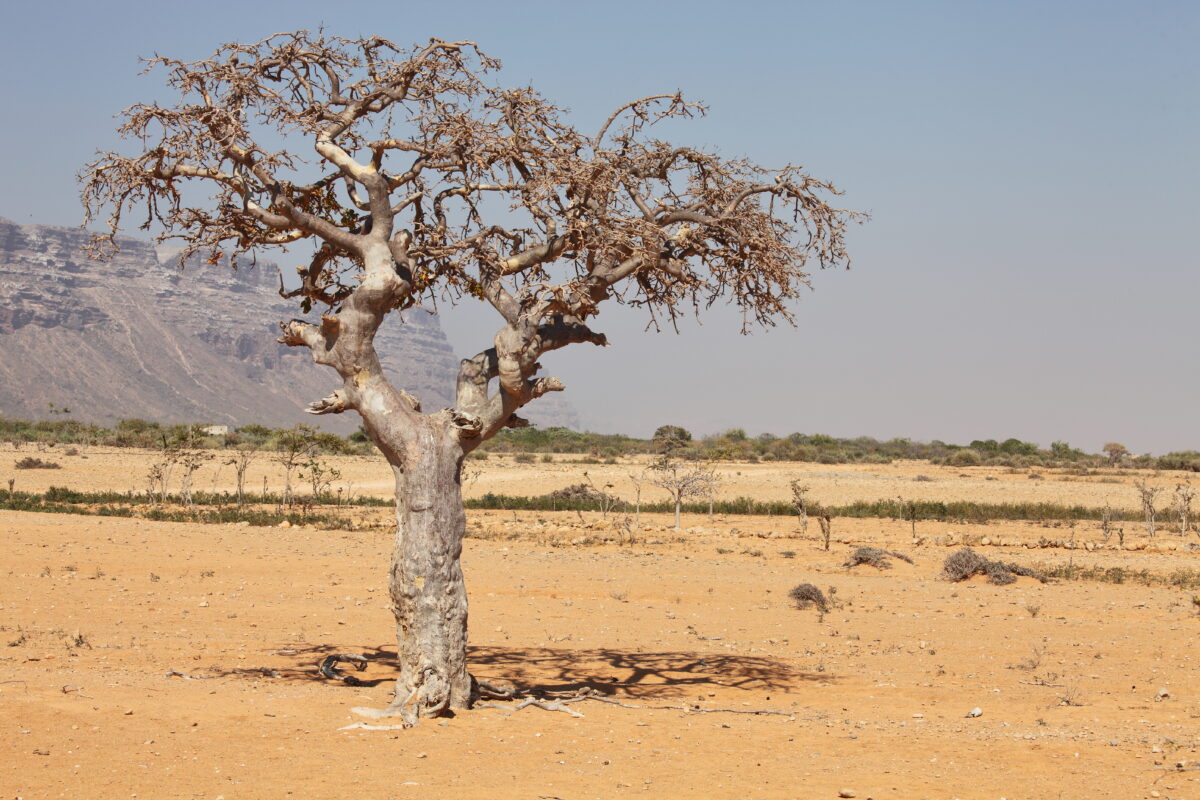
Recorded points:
(1116,452)
(682,482)
(240,460)
(1185,493)
(1147,494)
(295,448)
(669,438)
(431,184)
(800,501)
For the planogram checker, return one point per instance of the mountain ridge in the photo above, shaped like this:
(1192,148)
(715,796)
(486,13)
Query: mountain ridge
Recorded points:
(134,337)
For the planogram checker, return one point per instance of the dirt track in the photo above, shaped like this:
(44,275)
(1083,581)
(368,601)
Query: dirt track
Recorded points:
(99,611)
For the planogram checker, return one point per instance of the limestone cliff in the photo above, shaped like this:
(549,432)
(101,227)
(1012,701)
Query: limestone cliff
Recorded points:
(134,337)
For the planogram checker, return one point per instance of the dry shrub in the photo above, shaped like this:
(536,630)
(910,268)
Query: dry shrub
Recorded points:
(29,462)
(964,563)
(874,557)
(806,595)
(579,491)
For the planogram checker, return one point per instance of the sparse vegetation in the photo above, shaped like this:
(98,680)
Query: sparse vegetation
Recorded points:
(966,563)
(682,481)
(795,447)
(1147,494)
(29,462)
(874,557)
(826,530)
(806,595)
(1187,579)
(1185,493)
(800,502)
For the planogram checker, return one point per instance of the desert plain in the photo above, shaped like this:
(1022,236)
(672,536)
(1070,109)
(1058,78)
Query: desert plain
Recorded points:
(143,659)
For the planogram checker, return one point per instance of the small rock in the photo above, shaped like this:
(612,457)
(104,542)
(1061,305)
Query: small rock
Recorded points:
(975,712)
(420,755)
(847,793)
(1161,694)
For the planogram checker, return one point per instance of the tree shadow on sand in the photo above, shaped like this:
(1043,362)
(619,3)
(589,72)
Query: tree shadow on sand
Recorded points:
(304,660)
(534,670)
(538,670)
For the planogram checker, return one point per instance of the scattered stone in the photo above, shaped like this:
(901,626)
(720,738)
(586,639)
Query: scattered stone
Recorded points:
(975,712)
(847,793)
(1160,695)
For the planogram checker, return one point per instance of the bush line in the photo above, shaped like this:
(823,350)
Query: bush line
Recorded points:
(932,510)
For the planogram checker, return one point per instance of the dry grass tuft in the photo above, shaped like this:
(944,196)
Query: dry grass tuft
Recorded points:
(806,595)
(875,557)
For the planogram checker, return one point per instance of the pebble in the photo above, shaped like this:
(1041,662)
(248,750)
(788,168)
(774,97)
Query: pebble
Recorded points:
(847,793)
(975,712)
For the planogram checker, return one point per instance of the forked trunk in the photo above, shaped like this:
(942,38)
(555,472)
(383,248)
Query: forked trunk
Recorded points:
(428,594)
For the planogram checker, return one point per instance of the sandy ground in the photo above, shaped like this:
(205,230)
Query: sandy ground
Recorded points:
(97,613)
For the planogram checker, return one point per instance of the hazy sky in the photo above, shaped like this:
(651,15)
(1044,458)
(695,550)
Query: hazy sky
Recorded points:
(1031,169)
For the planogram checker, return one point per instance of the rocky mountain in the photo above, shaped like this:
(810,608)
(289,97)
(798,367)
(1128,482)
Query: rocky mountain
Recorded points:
(136,337)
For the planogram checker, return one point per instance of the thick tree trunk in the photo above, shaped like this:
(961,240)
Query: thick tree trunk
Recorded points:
(429,597)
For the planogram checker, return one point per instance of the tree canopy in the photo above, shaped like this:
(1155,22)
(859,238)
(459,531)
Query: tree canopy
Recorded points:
(418,180)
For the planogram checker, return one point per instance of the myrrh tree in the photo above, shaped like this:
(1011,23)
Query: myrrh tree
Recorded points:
(425,183)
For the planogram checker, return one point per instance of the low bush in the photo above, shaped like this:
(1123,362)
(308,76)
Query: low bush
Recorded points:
(965,563)
(29,462)
(875,557)
(805,595)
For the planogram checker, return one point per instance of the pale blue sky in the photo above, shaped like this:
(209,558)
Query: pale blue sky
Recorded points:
(1031,169)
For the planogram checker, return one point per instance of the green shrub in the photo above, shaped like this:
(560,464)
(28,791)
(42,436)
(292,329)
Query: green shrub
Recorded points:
(965,457)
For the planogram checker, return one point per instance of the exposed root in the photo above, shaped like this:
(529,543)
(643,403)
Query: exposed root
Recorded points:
(493,691)
(330,671)
(397,708)
(266,672)
(174,673)
(547,705)
(563,699)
